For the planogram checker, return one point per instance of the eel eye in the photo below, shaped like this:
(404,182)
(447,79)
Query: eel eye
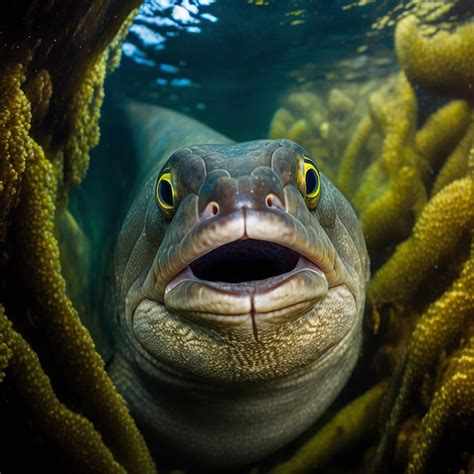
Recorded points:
(312,182)
(165,192)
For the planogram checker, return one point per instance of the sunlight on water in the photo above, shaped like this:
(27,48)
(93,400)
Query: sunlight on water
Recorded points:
(282,285)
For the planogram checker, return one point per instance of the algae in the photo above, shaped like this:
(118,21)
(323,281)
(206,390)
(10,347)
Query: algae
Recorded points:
(414,193)
(54,387)
(411,184)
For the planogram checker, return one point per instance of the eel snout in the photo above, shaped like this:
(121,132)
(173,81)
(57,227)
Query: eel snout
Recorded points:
(247,277)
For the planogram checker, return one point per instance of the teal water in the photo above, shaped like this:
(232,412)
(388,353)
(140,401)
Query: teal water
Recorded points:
(228,64)
(231,65)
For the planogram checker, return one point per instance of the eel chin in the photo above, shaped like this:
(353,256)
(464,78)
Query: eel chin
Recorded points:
(243,278)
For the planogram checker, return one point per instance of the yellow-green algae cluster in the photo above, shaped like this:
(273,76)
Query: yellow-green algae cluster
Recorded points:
(414,192)
(323,125)
(412,186)
(51,90)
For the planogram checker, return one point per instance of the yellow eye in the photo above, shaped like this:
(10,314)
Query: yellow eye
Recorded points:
(312,182)
(165,192)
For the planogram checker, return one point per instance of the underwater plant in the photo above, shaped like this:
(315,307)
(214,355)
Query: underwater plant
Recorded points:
(52,377)
(414,193)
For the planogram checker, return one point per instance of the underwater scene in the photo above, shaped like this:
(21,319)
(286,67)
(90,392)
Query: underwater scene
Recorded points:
(237,236)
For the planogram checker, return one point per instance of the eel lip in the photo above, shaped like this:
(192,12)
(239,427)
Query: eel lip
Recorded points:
(247,278)
(283,230)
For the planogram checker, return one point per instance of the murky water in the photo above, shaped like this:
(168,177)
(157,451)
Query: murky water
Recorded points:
(230,65)
(243,68)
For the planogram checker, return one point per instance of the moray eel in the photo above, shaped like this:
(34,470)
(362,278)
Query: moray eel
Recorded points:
(241,274)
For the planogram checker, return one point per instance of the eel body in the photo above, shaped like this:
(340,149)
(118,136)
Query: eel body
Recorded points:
(240,275)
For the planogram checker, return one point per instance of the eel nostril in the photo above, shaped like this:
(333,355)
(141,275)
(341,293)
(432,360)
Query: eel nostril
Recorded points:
(214,207)
(273,201)
(211,210)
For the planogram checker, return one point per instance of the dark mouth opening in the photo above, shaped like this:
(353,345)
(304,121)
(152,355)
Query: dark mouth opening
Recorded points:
(245,260)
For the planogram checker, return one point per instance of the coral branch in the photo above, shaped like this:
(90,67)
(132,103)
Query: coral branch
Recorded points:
(441,61)
(5,342)
(439,326)
(358,140)
(73,434)
(453,402)
(14,126)
(434,238)
(351,424)
(393,211)
(443,131)
(456,164)
(74,348)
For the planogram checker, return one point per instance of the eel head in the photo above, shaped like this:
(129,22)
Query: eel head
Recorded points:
(241,267)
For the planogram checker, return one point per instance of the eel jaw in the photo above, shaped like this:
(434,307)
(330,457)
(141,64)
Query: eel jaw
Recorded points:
(246,278)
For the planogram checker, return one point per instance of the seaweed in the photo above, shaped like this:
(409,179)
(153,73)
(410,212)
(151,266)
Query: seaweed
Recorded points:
(48,124)
(412,186)
(414,194)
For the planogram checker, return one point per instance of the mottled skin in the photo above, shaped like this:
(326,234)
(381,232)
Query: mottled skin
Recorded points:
(227,373)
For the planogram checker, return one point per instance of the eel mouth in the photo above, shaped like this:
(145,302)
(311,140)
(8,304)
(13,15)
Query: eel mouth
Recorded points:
(244,261)
(246,277)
